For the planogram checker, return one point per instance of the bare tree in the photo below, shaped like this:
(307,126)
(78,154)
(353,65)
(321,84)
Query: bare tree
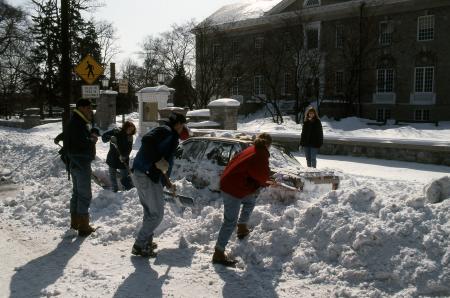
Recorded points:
(107,38)
(211,63)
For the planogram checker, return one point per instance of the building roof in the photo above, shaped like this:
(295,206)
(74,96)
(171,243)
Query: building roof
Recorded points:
(240,11)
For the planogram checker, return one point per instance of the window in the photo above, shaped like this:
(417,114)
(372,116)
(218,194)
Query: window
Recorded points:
(383,115)
(191,150)
(386,30)
(339,37)
(309,3)
(235,50)
(259,44)
(216,51)
(287,84)
(425,28)
(219,153)
(424,79)
(339,82)
(235,86)
(385,80)
(258,85)
(312,38)
(422,115)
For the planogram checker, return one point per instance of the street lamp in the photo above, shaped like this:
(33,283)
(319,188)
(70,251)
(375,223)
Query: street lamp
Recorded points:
(105,83)
(161,78)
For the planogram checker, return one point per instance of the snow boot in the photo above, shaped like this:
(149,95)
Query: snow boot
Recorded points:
(74,222)
(151,244)
(84,229)
(143,252)
(221,258)
(242,231)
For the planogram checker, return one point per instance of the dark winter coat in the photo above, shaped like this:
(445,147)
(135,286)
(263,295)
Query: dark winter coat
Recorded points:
(77,139)
(124,146)
(246,172)
(159,142)
(312,134)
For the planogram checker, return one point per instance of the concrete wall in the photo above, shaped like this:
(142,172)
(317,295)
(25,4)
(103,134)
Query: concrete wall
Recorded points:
(387,149)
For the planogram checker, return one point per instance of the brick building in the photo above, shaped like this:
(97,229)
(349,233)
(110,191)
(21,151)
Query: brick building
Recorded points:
(381,59)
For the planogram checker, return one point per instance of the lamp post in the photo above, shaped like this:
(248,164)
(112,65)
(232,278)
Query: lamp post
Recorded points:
(105,83)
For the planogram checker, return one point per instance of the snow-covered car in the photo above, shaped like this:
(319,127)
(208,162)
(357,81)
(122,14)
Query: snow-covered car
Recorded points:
(201,161)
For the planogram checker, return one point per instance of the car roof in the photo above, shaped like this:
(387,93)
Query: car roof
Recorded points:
(222,139)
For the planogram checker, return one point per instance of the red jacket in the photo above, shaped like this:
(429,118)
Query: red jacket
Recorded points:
(246,172)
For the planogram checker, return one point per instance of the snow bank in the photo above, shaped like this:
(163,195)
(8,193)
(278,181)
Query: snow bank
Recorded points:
(372,237)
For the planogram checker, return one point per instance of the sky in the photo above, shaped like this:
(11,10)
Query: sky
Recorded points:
(136,19)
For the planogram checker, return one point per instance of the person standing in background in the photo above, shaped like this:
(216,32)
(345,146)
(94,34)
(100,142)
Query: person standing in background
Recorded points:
(312,136)
(119,154)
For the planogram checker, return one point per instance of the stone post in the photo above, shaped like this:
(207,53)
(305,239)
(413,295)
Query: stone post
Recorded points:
(225,112)
(31,118)
(105,114)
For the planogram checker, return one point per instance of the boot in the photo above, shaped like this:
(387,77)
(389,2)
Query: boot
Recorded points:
(74,221)
(84,229)
(146,252)
(219,257)
(152,245)
(242,231)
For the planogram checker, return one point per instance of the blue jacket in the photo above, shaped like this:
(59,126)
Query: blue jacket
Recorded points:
(159,142)
(77,139)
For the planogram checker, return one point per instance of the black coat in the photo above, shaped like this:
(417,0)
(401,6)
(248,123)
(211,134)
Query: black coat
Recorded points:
(77,138)
(124,146)
(312,134)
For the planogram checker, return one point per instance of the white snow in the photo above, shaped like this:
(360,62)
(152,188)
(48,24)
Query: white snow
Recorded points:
(377,235)
(198,113)
(224,102)
(160,88)
(203,124)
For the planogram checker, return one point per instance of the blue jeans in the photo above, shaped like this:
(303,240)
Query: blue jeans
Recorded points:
(80,171)
(152,201)
(124,179)
(231,208)
(311,154)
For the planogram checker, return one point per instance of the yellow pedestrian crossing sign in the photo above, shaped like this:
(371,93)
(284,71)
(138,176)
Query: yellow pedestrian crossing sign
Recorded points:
(89,70)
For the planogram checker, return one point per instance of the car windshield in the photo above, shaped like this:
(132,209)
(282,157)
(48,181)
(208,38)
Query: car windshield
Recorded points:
(279,158)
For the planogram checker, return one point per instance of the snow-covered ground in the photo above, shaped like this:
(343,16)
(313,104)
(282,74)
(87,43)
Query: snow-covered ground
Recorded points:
(375,236)
(353,127)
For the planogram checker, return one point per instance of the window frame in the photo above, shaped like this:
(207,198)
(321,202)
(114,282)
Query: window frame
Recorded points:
(384,89)
(258,85)
(305,3)
(423,80)
(385,38)
(432,28)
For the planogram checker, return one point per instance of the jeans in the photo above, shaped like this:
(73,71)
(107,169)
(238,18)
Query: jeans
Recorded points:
(80,171)
(152,201)
(311,154)
(124,179)
(231,208)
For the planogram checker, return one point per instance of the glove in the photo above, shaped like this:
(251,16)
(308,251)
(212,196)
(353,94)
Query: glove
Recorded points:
(162,165)
(113,140)
(123,158)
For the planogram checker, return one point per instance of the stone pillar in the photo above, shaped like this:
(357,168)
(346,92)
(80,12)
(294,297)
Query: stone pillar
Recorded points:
(151,100)
(31,118)
(105,114)
(225,112)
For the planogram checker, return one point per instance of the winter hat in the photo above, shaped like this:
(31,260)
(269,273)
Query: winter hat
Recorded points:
(175,118)
(83,103)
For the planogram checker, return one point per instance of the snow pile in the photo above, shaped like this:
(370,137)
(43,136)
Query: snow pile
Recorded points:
(372,237)
(438,190)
